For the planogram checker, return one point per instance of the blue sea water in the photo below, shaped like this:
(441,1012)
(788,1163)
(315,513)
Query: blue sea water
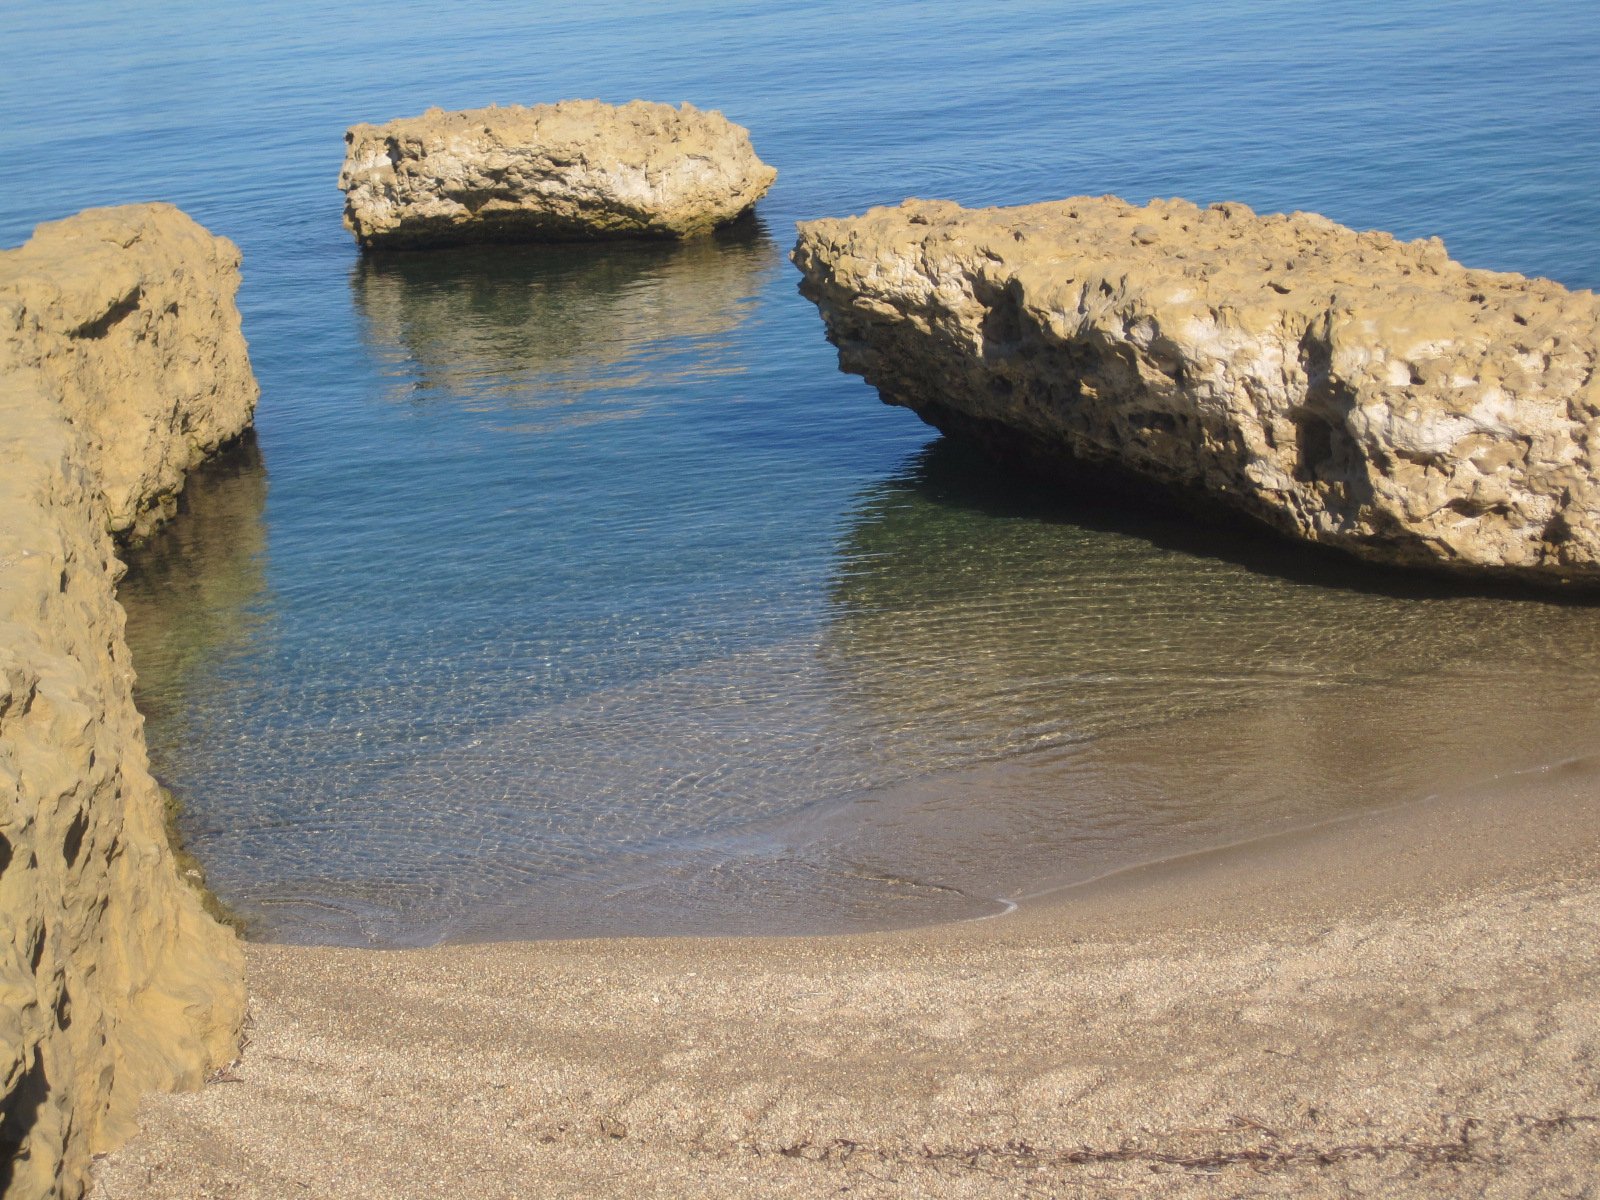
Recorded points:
(575,590)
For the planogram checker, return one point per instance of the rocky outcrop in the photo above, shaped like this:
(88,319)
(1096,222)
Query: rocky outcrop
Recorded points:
(571,171)
(127,316)
(121,363)
(1347,388)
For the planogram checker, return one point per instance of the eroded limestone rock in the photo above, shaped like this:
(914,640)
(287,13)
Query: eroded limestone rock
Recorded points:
(121,363)
(575,170)
(1343,387)
(128,316)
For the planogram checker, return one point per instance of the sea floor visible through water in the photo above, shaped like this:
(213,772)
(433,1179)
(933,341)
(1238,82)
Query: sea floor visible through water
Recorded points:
(574,590)
(1008,693)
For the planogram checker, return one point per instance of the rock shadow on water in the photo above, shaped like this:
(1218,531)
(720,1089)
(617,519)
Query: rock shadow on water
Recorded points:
(1012,586)
(196,597)
(998,479)
(582,332)
(195,592)
(1124,687)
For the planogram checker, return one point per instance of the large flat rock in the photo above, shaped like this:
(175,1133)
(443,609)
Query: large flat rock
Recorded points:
(1346,388)
(571,171)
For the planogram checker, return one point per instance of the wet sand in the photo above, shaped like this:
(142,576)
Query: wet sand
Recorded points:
(1400,1003)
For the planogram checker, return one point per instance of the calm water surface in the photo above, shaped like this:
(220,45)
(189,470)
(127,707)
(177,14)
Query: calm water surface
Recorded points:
(573,591)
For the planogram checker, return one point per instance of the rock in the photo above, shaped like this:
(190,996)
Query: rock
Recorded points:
(128,315)
(571,171)
(121,363)
(1346,388)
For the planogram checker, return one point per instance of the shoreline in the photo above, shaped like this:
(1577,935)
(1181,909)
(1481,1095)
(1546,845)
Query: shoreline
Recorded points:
(1398,1002)
(977,840)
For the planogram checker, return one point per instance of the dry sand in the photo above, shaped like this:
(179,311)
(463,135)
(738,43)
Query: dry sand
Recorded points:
(1399,1004)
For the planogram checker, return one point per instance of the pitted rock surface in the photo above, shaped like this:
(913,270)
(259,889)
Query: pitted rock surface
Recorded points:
(121,363)
(575,170)
(1347,388)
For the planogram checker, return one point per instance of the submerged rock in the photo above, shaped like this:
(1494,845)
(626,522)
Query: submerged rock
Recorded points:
(1347,388)
(575,170)
(121,366)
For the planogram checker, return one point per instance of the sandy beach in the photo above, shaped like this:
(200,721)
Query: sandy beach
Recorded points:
(1401,1003)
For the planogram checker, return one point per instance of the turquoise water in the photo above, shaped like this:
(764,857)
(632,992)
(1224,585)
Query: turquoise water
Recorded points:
(576,591)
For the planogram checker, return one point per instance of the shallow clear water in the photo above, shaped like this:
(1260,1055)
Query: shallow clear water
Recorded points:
(576,591)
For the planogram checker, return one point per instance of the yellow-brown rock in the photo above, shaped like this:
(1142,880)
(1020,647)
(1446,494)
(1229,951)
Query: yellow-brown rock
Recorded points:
(128,314)
(1347,388)
(571,171)
(121,364)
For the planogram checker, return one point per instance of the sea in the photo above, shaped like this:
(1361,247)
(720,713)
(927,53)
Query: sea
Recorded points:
(574,591)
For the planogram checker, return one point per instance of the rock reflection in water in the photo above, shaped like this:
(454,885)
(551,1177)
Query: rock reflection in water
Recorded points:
(541,328)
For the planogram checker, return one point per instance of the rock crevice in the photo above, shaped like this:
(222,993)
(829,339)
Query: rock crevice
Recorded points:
(1346,388)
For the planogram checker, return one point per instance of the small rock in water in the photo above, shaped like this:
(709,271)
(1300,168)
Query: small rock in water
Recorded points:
(572,171)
